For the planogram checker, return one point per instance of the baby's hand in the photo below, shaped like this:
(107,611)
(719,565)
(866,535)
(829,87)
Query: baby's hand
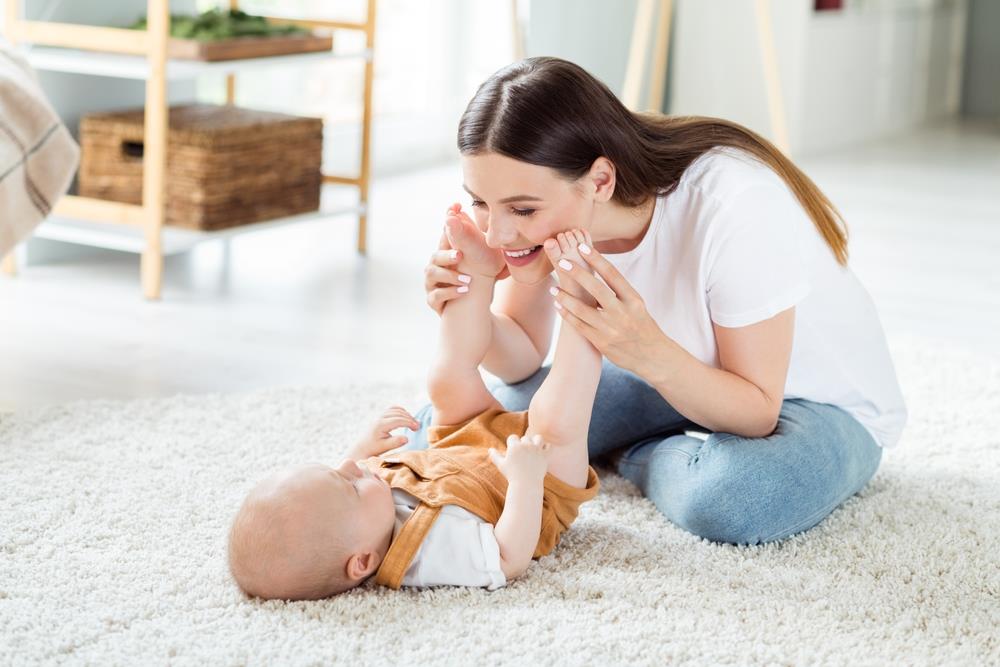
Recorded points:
(378,439)
(526,459)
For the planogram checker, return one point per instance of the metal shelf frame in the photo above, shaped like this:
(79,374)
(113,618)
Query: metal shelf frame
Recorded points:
(136,54)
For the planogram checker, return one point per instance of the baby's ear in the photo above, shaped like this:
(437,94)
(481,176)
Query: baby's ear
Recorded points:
(360,566)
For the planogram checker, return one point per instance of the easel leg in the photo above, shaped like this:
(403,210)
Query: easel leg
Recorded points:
(775,102)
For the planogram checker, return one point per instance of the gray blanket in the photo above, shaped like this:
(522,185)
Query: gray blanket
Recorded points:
(38,157)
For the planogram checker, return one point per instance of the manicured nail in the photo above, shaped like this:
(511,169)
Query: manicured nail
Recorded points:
(553,291)
(463,289)
(584,248)
(464,278)
(557,305)
(565,264)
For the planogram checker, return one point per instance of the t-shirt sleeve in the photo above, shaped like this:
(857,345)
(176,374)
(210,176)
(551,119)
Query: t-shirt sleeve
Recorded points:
(459,550)
(757,266)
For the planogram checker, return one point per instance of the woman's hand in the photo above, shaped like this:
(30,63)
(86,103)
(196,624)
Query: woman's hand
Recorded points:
(441,282)
(620,327)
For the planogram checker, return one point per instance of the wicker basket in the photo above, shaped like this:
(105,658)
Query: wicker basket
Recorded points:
(226,166)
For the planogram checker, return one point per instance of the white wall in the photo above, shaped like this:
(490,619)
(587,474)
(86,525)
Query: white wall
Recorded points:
(874,69)
(877,68)
(594,34)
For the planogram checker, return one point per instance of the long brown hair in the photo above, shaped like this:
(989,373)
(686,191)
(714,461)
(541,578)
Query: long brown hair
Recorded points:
(550,112)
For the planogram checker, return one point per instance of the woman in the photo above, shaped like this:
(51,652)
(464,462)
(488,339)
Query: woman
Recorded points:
(726,305)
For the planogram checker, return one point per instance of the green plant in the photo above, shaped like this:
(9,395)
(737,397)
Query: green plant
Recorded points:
(216,24)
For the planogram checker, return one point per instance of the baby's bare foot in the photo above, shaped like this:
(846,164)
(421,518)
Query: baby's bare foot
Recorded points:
(477,257)
(566,246)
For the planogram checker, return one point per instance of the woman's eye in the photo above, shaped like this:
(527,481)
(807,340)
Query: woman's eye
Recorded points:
(516,211)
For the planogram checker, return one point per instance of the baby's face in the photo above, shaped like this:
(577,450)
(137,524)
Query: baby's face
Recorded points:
(361,499)
(301,523)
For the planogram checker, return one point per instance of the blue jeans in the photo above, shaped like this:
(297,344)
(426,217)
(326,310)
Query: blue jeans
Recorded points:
(725,488)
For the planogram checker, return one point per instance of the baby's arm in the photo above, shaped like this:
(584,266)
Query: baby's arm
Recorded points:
(455,386)
(524,464)
(561,408)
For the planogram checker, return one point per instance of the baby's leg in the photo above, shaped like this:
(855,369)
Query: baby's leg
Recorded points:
(455,386)
(560,410)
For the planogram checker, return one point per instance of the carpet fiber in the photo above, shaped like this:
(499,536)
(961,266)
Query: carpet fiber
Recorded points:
(113,517)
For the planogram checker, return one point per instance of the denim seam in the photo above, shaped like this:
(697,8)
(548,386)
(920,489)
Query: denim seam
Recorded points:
(669,450)
(719,441)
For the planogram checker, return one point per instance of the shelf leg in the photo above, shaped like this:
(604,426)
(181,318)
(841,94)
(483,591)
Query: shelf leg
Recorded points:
(9,264)
(154,160)
(366,130)
(152,274)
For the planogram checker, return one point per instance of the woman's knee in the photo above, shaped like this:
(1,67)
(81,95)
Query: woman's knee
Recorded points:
(735,497)
(740,502)
(700,514)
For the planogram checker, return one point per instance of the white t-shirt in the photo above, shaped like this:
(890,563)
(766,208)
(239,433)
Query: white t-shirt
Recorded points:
(732,245)
(459,549)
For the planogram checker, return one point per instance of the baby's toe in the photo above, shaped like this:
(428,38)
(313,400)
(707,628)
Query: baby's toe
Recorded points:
(552,250)
(564,242)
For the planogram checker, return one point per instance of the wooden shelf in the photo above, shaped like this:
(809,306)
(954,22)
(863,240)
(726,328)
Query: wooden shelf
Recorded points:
(124,66)
(130,238)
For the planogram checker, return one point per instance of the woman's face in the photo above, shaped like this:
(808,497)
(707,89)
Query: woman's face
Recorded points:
(519,205)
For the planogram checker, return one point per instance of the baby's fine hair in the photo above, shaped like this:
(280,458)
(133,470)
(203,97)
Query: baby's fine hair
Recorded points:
(272,556)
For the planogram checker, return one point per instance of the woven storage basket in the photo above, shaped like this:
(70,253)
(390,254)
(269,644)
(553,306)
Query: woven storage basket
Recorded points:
(226,166)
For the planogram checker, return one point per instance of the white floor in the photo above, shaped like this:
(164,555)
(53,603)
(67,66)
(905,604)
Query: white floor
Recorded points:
(296,305)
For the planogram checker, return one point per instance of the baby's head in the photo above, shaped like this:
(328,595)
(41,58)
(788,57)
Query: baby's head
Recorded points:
(311,532)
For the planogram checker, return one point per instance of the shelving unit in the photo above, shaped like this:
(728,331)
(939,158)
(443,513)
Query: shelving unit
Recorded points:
(131,54)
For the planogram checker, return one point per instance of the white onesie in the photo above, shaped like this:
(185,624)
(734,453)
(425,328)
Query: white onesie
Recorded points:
(459,549)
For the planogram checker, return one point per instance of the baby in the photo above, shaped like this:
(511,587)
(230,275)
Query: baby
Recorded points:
(494,490)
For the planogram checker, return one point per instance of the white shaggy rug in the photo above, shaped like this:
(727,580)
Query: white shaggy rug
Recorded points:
(113,517)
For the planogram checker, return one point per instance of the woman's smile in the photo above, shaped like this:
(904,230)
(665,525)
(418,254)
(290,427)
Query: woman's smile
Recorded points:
(522,257)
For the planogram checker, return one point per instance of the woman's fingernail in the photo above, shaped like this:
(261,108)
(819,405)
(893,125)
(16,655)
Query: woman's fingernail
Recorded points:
(565,264)
(463,289)
(553,291)
(464,278)
(557,305)
(584,248)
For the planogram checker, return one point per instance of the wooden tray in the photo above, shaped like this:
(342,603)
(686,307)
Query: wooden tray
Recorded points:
(247,47)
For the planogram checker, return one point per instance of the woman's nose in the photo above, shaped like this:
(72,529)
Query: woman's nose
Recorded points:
(498,235)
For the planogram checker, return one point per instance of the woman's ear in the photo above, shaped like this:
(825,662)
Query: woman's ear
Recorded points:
(361,566)
(601,179)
